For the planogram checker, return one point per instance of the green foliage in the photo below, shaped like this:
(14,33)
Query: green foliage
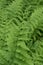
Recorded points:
(21,32)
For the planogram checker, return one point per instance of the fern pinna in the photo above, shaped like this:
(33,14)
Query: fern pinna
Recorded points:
(21,32)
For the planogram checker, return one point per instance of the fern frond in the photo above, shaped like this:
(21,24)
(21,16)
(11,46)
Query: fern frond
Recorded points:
(21,32)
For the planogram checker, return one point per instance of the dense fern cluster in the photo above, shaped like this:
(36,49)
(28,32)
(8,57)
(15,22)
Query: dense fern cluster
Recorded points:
(21,32)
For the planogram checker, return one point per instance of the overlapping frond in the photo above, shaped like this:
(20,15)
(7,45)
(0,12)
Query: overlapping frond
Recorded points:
(21,32)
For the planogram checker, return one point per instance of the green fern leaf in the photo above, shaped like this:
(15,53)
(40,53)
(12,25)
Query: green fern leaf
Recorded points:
(21,32)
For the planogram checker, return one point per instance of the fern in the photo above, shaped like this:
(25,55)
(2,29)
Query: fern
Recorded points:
(21,32)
